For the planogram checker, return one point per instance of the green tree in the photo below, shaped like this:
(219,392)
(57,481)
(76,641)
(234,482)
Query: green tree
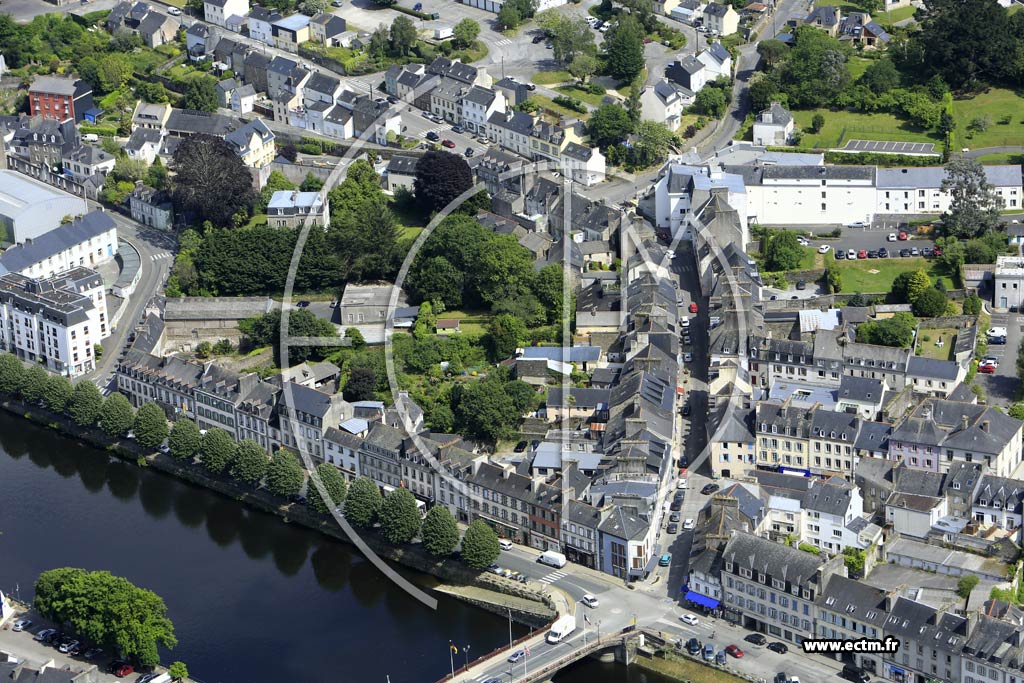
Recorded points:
(266,330)
(441,177)
(816,69)
(485,410)
(86,403)
(399,516)
(211,182)
(285,475)
(201,94)
(965,585)
(881,76)
(185,440)
(504,270)
(150,425)
(435,279)
(972,304)
(583,67)
(108,610)
(609,125)
(217,450)
(251,462)
(918,284)
(334,484)
(833,280)
(33,384)
(817,123)
(57,393)
(974,207)
(931,303)
(177,671)
(480,545)
(505,333)
(508,17)
(402,37)
(653,142)
(570,37)
(465,32)
(363,503)
(710,101)
(967,44)
(355,338)
(624,49)
(854,560)
(784,251)
(772,51)
(440,532)
(11,372)
(896,331)
(361,385)
(1016,411)
(116,415)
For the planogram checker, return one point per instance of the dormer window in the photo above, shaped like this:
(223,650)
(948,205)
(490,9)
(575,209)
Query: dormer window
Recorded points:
(775,429)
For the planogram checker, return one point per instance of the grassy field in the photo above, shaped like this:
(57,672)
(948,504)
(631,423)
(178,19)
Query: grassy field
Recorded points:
(875,276)
(1006,158)
(858,65)
(881,17)
(551,77)
(930,350)
(547,103)
(997,104)
(841,126)
(472,322)
(580,94)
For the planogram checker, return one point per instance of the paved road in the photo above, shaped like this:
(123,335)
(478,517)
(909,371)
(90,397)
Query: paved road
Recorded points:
(1001,388)
(156,249)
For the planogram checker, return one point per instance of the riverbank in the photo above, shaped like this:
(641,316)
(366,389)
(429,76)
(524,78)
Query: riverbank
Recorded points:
(684,669)
(489,589)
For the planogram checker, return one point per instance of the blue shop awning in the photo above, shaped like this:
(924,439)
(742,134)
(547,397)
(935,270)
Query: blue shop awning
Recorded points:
(702,600)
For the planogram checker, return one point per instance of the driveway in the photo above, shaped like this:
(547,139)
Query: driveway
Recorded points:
(1002,387)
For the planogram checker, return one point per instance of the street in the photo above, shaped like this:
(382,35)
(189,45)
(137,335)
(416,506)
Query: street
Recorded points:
(1002,387)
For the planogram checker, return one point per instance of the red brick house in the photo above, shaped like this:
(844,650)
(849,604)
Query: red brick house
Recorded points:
(60,98)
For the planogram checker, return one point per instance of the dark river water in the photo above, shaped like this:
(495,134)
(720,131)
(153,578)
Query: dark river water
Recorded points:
(252,598)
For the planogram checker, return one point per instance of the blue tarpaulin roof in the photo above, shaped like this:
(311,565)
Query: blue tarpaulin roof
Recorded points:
(701,600)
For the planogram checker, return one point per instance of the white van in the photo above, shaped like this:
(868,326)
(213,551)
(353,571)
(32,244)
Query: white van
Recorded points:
(562,627)
(91,137)
(552,559)
(505,544)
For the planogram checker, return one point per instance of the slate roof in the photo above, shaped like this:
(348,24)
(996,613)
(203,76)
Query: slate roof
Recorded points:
(321,82)
(932,176)
(623,523)
(829,496)
(404,165)
(773,559)
(863,603)
(716,10)
(578,151)
(183,120)
(141,136)
(932,368)
(20,257)
(873,436)
(862,389)
(940,423)
(1009,493)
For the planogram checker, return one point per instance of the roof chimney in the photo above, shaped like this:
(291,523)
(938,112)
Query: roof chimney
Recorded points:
(963,422)
(984,425)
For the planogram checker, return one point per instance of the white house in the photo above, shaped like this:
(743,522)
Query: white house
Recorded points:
(664,102)
(1009,283)
(477,106)
(773,126)
(261,21)
(998,502)
(831,507)
(582,164)
(778,195)
(89,241)
(218,12)
(721,20)
(914,515)
(919,190)
(684,188)
(717,60)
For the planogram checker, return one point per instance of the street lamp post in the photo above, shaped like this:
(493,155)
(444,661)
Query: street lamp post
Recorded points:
(466,653)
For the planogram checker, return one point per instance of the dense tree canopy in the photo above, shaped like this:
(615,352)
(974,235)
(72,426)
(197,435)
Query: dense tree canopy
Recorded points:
(265,330)
(895,331)
(86,403)
(816,68)
(285,475)
(185,440)
(440,178)
(57,393)
(211,183)
(363,503)
(108,610)
(975,205)
(399,516)
(217,450)
(150,425)
(251,462)
(334,485)
(480,545)
(440,532)
(784,251)
(624,49)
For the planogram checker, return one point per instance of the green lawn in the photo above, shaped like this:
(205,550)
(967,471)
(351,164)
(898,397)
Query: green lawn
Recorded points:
(895,15)
(472,54)
(551,77)
(548,103)
(1007,158)
(841,126)
(996,103)
(928,348)
(472,322)
(858,65)
(875,276)
(580,94)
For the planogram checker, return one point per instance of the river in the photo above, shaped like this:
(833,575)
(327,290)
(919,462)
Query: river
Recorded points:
(252,598)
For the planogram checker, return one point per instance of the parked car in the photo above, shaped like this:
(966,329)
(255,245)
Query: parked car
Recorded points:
(458,129)
(93,652)
(915,251)
(687,339)
(469,152)
(857,224)
(778,647)
(840,254)
(883,253)
(676,506)
(538,39)
(854,674)
(904,253)
(851,254)
(432,136)
(590,601)
(21,625)
(734,650)
(801,284)
(44,634)
(987,368)
(927,252)
(121,668)
(672,528)
(693,645)
(709,489)
(687,357)
(686,410)
(689,619)
(665,560)
(902,237)
(689,524)
(418,7)
(756,639)
(862,254)
(175,12)
(693,308)
(520,447)
(448,143)
(674,517)
(891,237)
(427,115)
(824,249)
(872,253)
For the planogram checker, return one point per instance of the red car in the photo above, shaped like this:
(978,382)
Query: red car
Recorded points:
(902,237)
(448,143)
(734,650)
(937,251)
(862,253)
(123,670)
(693,308)
(987,368)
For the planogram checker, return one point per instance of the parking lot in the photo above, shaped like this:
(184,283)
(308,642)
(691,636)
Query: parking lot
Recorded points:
(1001,387)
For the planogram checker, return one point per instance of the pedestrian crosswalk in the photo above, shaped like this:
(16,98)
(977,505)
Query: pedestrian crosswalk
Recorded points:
(553,576)
(361,85)
(162,255)
(503,41)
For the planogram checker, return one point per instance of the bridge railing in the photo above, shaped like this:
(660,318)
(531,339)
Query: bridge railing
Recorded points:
(495,652)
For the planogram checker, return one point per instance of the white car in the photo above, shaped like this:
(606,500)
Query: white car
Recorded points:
(590,601)
(689,619)
(803,241)
(824,249)
(21,625)
(174,11)
(681,485)
(687,357)
(891,237)
(688,524)
(851,254)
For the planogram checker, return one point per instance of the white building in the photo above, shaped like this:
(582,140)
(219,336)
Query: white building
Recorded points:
(720,20)
(55,321)
(89,241)
(830,508)
(582,164)
(477,106)
(261,21)
(773,126)
(1009,282)
(29,208)
(919,190)
(684,188)
(717,60)
(664,102)
(914,515)
(218,12)
(291,209)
